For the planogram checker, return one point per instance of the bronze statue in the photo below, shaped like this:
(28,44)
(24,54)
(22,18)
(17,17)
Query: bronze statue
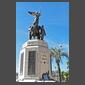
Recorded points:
(35,29)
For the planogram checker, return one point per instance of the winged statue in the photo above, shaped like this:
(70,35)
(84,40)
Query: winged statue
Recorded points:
(36,15)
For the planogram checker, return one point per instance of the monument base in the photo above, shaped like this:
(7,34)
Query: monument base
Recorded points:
(34,60)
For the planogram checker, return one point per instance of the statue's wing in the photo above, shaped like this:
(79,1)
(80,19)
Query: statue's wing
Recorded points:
(32,13)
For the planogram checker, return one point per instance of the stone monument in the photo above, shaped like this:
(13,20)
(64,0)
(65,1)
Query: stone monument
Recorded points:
(34,54)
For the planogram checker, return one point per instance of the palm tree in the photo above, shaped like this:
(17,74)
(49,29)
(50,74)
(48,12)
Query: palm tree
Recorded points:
(57,53)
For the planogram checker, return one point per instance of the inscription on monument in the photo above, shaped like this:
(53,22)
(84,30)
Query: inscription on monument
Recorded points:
(31,62)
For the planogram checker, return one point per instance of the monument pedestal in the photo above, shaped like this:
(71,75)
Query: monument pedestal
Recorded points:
(34,60)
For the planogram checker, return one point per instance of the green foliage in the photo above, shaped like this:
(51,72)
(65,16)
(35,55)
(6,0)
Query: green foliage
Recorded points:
(65,75)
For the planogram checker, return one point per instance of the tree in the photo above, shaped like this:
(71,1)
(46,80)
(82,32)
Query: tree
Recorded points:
(65,75)
(57,53)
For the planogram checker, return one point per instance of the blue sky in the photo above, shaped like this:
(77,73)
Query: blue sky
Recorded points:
(54,17)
